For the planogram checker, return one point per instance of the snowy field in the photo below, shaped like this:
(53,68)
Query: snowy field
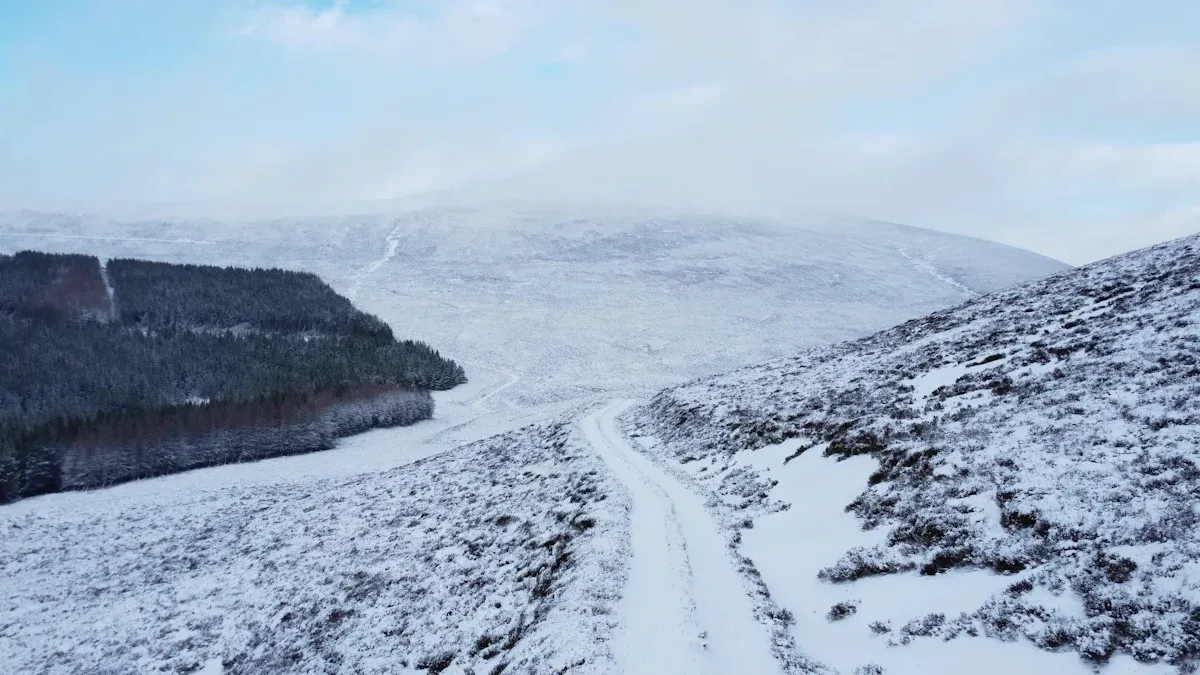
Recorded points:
(1006,486)
(506,555)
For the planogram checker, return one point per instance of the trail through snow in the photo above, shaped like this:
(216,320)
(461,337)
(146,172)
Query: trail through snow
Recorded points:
(389,252)
(929,268)
(685,608)
(479,403)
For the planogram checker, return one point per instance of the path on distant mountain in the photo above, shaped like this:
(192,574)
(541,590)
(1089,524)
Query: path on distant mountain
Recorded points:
(389,251)
(477,399)
(929,268)
(392,243)
(685,608)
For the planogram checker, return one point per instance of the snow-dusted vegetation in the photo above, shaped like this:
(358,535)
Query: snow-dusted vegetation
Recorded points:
(502,556)
(1043,436)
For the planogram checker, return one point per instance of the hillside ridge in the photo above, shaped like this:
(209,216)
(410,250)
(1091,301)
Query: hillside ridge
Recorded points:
(1045,433)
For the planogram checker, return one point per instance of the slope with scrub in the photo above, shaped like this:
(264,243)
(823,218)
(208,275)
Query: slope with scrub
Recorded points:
(1043,436)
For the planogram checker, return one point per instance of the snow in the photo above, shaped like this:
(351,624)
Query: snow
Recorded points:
(931,269)
(506,551)
(684,609)
(790,552)
(926,383)
(108,291)
(1020,467)
(658,631)
(60,235)
(392,243)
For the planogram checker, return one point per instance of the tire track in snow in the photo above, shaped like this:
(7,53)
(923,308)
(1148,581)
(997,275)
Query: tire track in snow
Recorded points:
(685,609)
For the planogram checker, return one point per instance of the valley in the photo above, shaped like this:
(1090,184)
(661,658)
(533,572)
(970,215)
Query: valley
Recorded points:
(563,513)
(530,337)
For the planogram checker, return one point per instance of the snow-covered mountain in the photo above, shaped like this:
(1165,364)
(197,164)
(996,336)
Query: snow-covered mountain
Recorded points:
(1023,467)
(558,547)
(587,300)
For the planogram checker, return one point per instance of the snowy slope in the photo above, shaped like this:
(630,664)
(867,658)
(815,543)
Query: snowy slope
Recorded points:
(581,301)
(1021,467)
(506,555)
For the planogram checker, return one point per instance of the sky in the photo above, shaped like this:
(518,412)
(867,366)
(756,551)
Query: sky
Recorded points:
(1068,127)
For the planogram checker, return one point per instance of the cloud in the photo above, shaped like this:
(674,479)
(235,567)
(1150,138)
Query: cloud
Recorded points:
(1144,92)
(1086,239)
(303,26)
(462,28)
(1042,123)
(838,46)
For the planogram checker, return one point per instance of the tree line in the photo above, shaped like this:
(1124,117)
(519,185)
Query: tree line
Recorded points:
(197,365)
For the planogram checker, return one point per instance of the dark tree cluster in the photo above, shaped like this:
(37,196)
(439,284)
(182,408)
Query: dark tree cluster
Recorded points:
(157,295)
(50,286)
(87,399)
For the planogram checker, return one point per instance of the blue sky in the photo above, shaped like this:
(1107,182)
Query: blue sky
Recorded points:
(1068,127)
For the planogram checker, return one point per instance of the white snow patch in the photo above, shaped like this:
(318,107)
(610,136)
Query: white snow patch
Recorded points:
(926,383)
(789,551)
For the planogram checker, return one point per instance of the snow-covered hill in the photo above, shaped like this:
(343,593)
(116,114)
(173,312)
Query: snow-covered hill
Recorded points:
(588,300)
(1023,467)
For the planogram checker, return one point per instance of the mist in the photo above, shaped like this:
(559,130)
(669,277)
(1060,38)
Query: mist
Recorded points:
(1067,128)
